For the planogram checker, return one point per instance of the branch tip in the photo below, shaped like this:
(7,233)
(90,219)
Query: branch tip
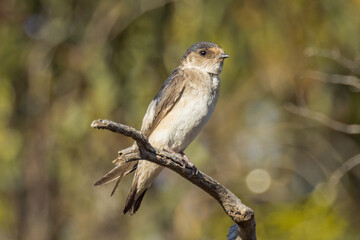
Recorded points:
(98,124)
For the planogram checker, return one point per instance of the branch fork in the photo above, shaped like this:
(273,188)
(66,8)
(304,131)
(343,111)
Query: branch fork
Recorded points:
(243,216)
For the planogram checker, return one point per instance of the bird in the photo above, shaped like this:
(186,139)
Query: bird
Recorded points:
(175,116)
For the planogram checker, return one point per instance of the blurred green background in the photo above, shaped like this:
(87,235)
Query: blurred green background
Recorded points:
(65,63)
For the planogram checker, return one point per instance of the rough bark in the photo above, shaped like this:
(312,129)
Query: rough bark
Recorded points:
(242,215)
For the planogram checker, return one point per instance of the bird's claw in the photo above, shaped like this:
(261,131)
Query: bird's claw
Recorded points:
(189,165)
(184,162)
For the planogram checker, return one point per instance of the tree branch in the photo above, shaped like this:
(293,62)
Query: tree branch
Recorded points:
(348,80)
(338,126)
(242,215)
(343,169)
(336,56)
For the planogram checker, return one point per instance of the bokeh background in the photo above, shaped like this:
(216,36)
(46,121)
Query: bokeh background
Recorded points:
(270,140)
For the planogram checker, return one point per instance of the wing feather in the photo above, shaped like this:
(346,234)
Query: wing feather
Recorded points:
(163,102)
(159,107)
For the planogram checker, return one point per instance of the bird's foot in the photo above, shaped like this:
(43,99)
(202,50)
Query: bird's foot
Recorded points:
(185,162)
(188,163)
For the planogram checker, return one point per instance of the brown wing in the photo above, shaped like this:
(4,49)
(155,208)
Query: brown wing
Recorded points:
(159,107)
(163,102)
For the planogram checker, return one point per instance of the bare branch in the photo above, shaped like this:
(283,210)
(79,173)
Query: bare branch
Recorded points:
(328,189)
(319,117)
(122,129)
(333,78)
(336,56)
(343,169)
(242,215)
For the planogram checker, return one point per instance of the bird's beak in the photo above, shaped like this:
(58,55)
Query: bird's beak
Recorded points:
(224,55)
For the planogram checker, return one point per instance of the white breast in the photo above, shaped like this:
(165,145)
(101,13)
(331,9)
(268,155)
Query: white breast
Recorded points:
(190,114)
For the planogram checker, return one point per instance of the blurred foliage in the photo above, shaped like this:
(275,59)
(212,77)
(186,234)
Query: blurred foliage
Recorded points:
(65,63)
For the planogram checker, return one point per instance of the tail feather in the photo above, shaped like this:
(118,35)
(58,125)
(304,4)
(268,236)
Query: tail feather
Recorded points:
(133,202)
(135,195)
(116,174)
(121,169)
(115,187)
(131,170)
(138,201)
(130,200)
(145,175)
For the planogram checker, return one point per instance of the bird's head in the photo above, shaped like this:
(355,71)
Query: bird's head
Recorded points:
(205,56)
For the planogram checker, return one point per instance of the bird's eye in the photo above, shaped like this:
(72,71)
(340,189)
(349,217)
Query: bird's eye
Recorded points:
(202,53)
